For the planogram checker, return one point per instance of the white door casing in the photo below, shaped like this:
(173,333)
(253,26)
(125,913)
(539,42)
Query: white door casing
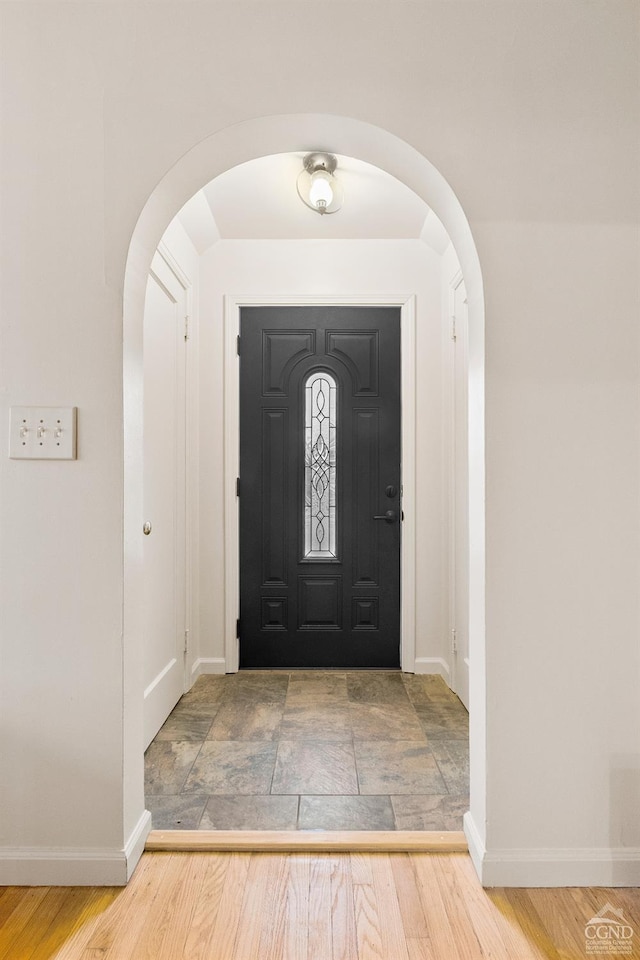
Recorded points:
(165,568)
(232,306)
(459,494)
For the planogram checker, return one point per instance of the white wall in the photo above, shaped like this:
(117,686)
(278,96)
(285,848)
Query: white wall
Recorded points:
(530,110)
(327,268)
(562,552)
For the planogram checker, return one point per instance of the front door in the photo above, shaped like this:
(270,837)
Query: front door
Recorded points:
(320,486)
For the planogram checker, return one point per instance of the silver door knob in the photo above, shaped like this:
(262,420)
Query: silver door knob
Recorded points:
(388,517)
(146,528)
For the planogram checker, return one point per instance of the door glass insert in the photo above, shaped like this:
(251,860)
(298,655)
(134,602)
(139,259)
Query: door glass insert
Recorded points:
(320,467)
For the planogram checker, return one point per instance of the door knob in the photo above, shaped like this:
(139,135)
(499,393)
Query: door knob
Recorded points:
(388,517)
(146,529)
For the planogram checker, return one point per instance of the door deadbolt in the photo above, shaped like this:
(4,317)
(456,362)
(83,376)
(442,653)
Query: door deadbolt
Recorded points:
(391,492)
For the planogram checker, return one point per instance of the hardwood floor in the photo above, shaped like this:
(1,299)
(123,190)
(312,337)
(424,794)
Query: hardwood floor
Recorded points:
(274,906)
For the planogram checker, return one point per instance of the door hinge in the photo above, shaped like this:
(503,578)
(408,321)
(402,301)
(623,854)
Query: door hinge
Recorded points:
(237,486)
(238,344)
(454,642)
(186,641)
(186,327)
(453,328)
(238,629)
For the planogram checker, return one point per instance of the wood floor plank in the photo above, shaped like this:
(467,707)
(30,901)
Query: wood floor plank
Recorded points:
(87,921)
(254,910)
(521,930)
(419,948)
(226,926)
(320,946)
(592,899)
(630,902)
(182,906)
(563,917)
(467,943)
(158,916)
(76,901)
(11,899)
(535,928)
(198,945)
(393,934)
(24,945)
(361,868)
(627,899)
(413,918)
(441,934)
(296,930)
(490,927)
(368,933)
(272,938)
(25,914)
(123,923)
(343,920)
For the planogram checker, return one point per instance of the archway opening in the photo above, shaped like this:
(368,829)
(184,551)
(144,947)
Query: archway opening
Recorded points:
(221,152)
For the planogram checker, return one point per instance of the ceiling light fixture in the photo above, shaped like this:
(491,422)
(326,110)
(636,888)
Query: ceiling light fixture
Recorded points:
(317,186)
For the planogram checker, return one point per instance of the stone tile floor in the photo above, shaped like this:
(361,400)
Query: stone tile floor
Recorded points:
(311,750)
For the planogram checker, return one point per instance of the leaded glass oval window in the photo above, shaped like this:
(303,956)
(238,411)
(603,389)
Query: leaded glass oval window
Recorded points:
(320,427)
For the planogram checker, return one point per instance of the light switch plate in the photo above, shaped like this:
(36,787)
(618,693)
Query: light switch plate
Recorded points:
(42,433)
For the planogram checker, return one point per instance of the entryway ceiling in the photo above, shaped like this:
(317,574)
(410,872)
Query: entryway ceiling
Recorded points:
(258,200)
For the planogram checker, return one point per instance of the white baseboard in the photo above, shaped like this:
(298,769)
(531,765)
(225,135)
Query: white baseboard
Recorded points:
(62,867)
(477,850)
(433,665)
(134,847)
(587,867)
(208,665)
(74,866)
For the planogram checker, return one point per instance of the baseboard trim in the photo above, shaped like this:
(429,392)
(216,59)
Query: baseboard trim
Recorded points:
(596,867)
(435,665)
(62,867)
(204,665)
(477,850)
(74,866)
(361,841)
(134,847)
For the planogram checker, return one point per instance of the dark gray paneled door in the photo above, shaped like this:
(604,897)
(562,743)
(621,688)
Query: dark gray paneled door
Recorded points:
(319,486)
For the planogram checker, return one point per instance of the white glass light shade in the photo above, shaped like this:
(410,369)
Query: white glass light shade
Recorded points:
(317,186)
(321,193)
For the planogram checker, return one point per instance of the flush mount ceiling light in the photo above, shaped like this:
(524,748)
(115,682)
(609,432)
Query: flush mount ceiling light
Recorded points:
(317,186)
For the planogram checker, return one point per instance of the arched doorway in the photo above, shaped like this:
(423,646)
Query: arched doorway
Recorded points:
(218,153)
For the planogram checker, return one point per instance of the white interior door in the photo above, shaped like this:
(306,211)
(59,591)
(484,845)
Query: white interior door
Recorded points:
(460,494)
(164,495)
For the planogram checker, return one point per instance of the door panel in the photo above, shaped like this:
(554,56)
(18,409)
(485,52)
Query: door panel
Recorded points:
(164,496)
(319,461)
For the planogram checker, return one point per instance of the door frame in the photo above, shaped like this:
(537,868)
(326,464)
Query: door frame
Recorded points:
(407,306)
